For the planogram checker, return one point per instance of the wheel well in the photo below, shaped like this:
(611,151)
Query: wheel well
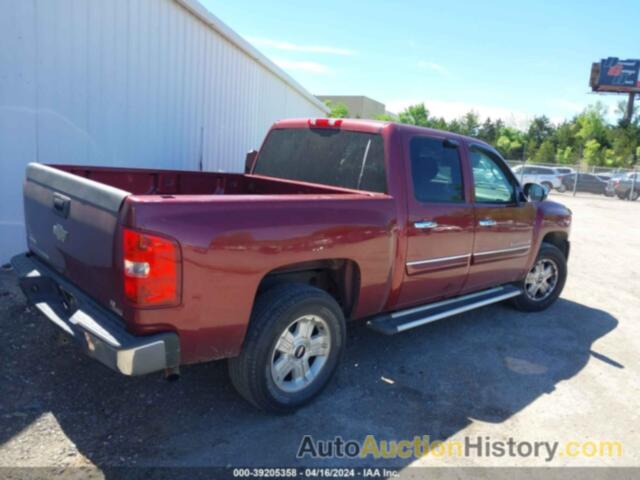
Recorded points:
(558,239)
(340,278)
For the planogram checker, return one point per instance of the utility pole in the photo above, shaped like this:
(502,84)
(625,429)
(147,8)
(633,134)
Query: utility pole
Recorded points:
(629,113)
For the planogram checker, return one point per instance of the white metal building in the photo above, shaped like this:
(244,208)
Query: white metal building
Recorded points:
(145,83)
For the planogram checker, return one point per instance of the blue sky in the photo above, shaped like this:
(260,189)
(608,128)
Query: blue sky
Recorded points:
(509,59)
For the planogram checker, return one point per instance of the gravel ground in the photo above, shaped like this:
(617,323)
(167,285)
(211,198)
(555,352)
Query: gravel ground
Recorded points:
(570,373)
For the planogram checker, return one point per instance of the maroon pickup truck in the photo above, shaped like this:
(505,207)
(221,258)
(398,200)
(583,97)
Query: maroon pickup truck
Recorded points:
(333,220)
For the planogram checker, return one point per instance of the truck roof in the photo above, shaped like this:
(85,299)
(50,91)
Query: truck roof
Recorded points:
(376,126)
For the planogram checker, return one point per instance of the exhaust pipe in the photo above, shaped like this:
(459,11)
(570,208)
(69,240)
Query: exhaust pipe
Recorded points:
(172,374)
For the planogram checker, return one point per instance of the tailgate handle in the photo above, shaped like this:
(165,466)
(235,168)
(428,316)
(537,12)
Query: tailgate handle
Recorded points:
(61,204)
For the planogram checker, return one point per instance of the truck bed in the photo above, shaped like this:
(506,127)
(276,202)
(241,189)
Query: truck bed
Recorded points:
(175,182)
(231,231)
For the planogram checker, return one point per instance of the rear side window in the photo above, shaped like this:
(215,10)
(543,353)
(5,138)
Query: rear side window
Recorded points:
(324,155)
(435,171)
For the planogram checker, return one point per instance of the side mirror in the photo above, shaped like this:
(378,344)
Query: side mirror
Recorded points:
(535,192)
(250,161)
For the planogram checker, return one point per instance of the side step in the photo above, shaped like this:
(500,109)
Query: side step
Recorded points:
(401,320)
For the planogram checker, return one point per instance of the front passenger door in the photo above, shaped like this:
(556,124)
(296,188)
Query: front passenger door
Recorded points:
(504,223)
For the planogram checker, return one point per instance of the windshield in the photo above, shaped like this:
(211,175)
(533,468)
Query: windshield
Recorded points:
(328,156)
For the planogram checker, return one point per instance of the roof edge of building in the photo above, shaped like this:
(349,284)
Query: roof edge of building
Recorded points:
(209,19)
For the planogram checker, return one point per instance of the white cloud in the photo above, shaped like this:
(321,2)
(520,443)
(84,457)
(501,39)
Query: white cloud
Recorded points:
(575,107)
(293,47)
(452,110)
(303,66)
(436,67)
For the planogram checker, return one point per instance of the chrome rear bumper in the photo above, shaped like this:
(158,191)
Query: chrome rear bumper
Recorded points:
(99,332)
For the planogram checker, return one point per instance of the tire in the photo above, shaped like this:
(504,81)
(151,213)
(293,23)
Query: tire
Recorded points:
(562,188)
(548,186)
(549,255)
(281,309)
(633,197)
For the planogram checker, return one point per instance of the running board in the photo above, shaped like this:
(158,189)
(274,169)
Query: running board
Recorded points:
(401,320)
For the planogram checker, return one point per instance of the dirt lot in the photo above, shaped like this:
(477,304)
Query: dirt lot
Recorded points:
(568,374)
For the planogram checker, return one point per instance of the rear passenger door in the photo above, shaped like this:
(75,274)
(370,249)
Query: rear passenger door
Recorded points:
(440,221)
(504,222)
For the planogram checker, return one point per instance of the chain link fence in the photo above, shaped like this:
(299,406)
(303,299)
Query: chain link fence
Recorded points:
(613,183)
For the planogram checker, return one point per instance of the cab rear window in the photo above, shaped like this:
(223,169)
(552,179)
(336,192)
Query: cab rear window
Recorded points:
(336,157)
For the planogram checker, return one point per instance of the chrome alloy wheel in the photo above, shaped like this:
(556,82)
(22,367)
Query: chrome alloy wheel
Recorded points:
(541,280)
(300,353)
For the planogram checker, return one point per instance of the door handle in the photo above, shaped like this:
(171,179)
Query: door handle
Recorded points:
(425,224)
(487,222)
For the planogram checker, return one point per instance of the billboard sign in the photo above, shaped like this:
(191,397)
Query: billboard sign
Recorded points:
(615,75)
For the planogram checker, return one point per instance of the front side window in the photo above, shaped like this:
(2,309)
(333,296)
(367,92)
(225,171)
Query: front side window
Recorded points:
(491,183)
(436,171)
(328,156)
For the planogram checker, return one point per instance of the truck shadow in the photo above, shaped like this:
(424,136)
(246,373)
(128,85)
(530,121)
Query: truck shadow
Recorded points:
(485,365)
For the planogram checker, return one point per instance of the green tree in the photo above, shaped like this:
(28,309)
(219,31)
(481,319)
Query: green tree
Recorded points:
(337,110)
(546,153)
(470,124)
(540,129)
(415,115)
(591,124)
(593,153)
(566,156)
(385,117)
(488,131)
(587,137)
(510,143)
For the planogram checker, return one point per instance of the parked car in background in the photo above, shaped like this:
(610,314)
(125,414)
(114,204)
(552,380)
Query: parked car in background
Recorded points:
(564,170)
(548,177)
(587,182)
(627,186)
(333,220)
(610,190)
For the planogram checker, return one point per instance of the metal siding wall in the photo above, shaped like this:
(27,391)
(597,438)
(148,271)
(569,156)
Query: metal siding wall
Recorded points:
(140,83)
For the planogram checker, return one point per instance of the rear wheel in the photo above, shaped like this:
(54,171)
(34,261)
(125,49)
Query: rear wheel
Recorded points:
(548,186)
(633,196)
(544,282)
(295,339)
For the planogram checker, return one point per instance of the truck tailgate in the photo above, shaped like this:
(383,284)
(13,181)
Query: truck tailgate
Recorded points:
(71,224)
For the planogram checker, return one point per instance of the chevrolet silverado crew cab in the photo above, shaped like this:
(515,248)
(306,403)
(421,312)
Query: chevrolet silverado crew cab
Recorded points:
(333,221)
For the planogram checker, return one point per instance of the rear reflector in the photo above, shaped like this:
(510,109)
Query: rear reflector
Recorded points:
(325,122)
(151,269)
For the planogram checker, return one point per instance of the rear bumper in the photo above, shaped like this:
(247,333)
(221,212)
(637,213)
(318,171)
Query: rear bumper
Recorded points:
(98,331)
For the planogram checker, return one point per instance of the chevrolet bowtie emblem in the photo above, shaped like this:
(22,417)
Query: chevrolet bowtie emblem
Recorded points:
(59,232)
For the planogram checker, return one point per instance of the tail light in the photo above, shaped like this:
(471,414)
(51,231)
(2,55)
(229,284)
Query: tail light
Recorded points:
(152,269)
(325,122)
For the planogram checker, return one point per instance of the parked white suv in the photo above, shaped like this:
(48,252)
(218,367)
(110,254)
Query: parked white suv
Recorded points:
(548,177)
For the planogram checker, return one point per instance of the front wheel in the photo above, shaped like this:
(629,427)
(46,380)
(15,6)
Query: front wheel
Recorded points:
(562,188)
(633,196)
(544,282)
(295,339)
